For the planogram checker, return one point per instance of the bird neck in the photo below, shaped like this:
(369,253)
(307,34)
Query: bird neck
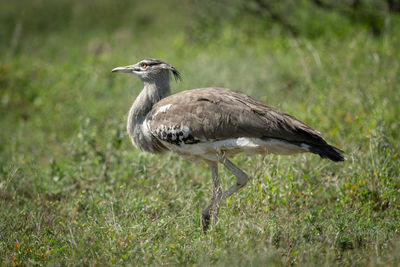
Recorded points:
(151,93)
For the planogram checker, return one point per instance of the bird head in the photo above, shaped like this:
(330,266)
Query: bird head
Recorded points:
(149,69)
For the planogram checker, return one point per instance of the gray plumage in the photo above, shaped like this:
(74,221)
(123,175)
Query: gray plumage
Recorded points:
(213,124)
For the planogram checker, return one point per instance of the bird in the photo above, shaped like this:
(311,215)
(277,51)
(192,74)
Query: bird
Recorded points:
(213,124)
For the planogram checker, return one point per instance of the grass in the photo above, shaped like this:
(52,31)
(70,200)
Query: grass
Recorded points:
(73,190)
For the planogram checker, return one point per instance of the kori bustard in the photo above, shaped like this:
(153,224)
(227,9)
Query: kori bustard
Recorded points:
(213,124)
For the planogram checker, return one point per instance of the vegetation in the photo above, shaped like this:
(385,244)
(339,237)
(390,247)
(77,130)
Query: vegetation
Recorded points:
(73,190)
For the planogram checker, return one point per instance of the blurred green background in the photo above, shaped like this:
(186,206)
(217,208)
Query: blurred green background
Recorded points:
(73,190)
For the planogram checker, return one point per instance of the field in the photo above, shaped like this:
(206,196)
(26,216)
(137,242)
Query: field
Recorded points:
(74,191)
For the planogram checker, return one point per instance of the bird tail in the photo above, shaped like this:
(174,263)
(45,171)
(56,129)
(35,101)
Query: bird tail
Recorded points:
(328,152)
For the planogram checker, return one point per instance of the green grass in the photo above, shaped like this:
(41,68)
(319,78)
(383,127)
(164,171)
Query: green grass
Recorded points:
(74,191)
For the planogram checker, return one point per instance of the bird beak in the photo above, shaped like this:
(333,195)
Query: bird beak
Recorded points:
(126,69)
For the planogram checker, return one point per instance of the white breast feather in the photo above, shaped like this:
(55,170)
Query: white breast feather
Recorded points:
(212,150)
(162,109)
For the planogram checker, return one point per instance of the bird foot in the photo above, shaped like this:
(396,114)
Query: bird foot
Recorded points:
(209,215)
(205,221)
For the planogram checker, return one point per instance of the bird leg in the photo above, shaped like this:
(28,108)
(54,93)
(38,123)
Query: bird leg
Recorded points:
(210,213)
(242,178)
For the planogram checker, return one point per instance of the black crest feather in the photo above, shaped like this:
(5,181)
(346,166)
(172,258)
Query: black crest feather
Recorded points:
(176,74)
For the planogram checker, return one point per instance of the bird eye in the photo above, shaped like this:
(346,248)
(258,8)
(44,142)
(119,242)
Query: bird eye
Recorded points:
(143,65)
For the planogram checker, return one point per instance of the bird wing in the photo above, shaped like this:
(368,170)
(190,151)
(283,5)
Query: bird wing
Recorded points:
(218,113)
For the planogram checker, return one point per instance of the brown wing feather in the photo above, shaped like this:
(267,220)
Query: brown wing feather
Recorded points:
(219,113)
